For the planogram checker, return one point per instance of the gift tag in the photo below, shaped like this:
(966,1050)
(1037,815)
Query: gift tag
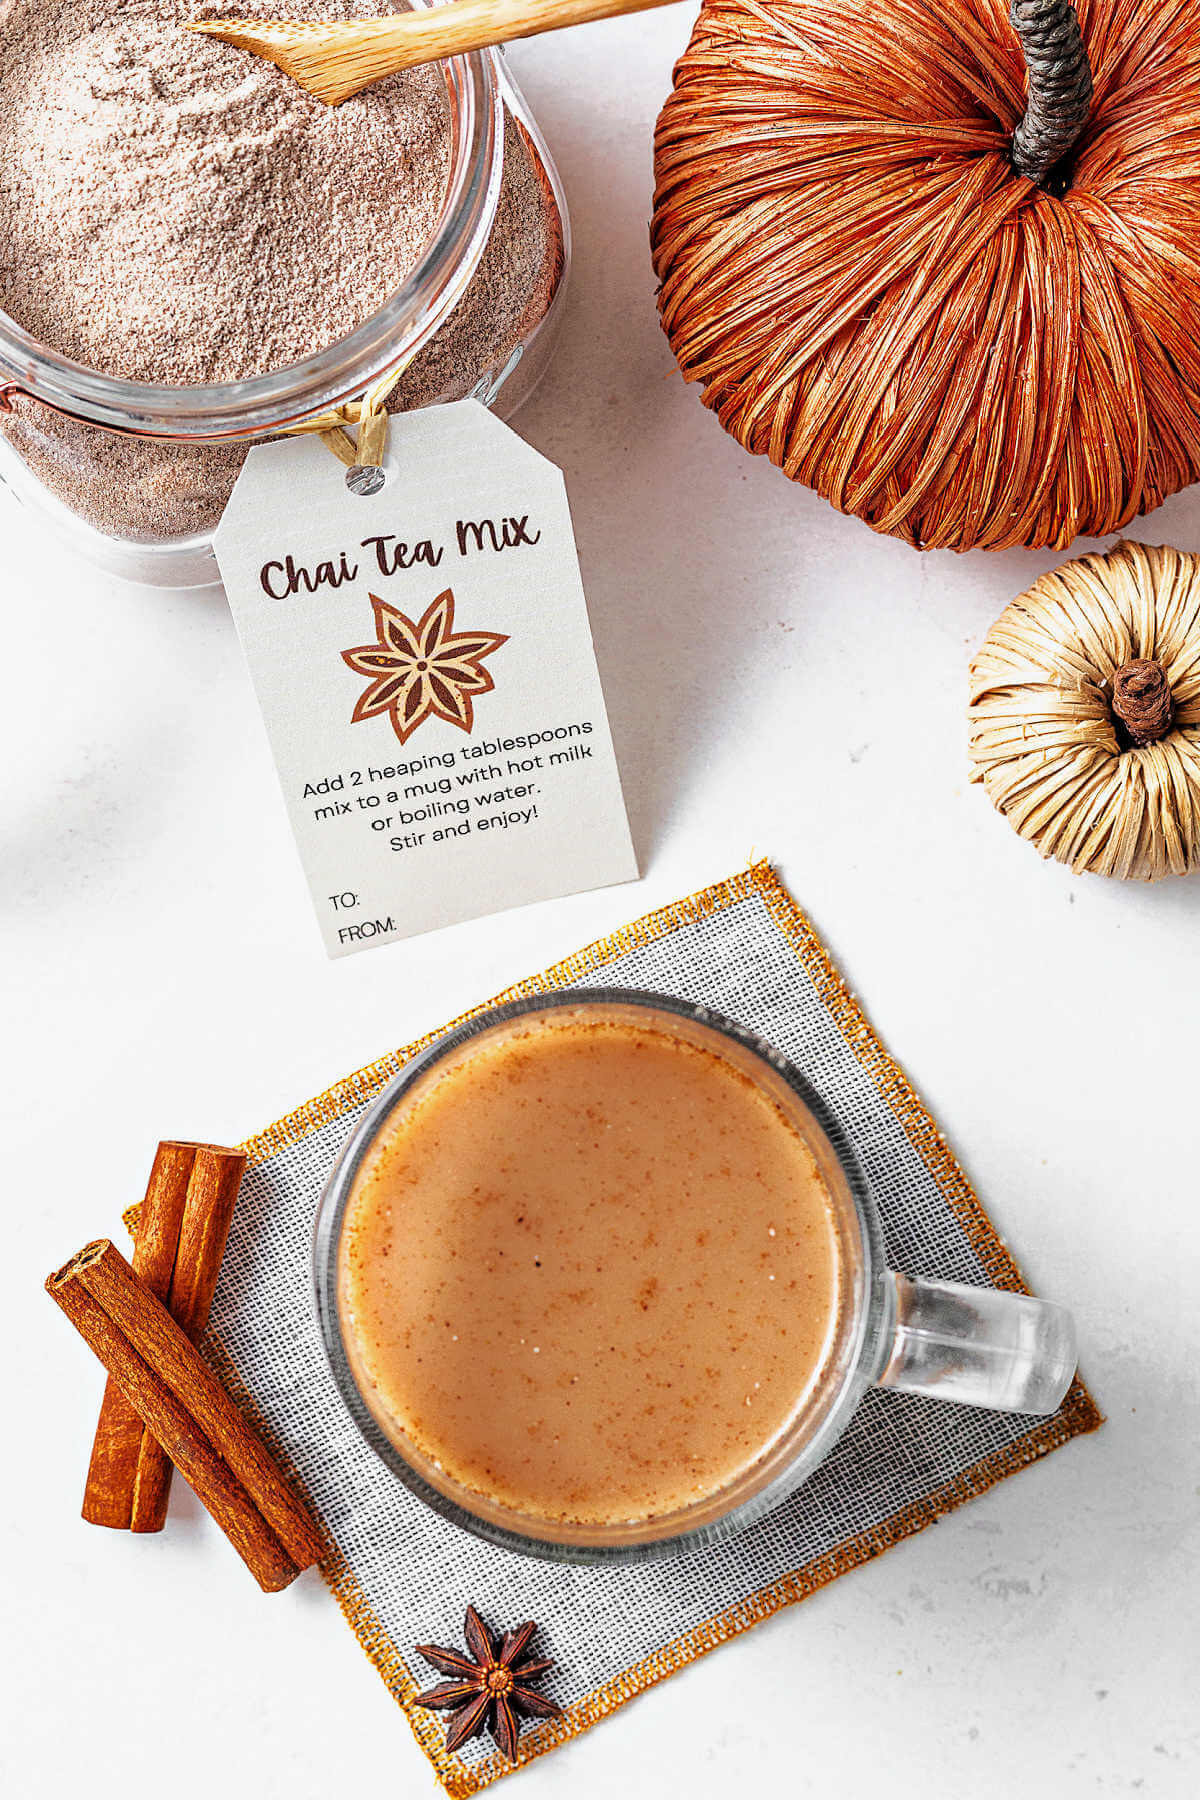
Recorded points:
(424,665)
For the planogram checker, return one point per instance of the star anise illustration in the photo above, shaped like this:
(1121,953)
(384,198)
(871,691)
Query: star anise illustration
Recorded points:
(492,1686)
(422,670)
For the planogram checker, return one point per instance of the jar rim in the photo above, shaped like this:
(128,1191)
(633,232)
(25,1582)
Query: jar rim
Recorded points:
(263,404)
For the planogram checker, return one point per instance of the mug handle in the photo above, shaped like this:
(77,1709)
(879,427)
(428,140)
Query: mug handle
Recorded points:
(979,1346)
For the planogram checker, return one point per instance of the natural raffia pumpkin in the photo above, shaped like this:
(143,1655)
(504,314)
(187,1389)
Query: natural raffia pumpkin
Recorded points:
(876,297)
(1085,713)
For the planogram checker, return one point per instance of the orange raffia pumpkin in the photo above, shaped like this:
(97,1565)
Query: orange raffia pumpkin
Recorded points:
(940,264)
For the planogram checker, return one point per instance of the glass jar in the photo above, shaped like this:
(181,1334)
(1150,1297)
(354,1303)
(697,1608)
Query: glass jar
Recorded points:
(135,475)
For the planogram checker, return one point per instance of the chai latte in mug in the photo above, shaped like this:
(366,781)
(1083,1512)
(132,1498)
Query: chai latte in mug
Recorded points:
(589,1269)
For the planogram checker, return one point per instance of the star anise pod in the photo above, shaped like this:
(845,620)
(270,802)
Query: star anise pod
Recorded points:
(421,669)
(492,1686)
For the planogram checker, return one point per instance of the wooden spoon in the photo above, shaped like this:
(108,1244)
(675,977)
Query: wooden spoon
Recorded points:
(334,60)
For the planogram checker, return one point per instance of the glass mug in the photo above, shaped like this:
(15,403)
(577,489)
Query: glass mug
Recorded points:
(976,1346)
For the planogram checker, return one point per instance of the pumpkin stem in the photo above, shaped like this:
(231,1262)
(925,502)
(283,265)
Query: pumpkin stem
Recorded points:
(1141,700)
(1060,84)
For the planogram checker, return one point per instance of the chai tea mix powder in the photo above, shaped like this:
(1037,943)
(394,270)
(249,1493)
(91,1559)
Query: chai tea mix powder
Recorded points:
(178,212)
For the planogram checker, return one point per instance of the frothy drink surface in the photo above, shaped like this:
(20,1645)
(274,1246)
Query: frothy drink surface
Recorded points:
(592,1272)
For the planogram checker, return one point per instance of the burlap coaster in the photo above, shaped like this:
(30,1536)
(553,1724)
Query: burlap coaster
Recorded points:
(403,1576)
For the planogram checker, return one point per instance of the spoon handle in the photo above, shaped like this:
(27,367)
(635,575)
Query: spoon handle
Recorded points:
(335,59)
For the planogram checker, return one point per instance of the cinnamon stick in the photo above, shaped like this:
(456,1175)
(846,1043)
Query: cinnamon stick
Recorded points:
(108,1495)
(182,1230)
(180,1401)
(212,1191)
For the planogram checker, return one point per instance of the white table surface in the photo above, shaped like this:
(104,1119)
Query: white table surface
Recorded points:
(780,681)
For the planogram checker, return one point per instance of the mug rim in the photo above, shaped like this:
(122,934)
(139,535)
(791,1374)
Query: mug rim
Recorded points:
(862,1343)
